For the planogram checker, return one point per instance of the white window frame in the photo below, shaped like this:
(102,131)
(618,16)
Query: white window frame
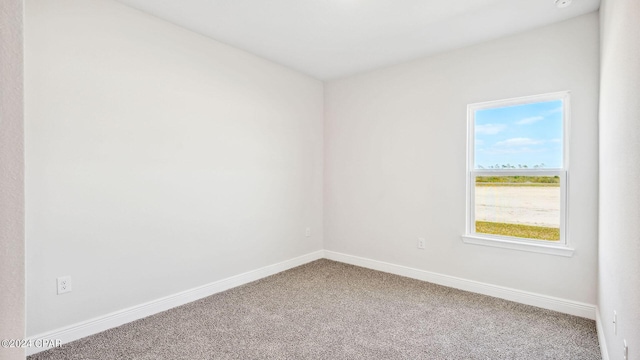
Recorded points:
(561,247)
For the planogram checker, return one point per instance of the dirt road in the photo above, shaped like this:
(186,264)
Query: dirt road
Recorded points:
(528,205)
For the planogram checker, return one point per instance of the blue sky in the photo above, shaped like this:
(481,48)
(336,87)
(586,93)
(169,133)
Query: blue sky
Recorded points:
(529,134)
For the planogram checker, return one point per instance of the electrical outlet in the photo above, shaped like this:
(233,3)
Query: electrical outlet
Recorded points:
(615,322)
(626,350)
(64,284)
(421,243)
(307,232)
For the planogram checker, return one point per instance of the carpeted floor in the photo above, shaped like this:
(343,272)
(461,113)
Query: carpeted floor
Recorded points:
(330,310)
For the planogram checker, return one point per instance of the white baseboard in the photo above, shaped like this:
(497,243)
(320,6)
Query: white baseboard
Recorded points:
(601,339)
(524,297)
(108,321)
(114,319)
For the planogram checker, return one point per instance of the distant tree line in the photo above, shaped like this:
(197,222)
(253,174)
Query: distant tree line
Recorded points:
(509,166)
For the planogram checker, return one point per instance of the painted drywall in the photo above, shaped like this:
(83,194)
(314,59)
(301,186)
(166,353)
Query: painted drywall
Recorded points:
(12,248)
(158,160)
(395,153)
(619,244)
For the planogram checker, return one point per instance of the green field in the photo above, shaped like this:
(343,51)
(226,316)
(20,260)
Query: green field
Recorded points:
(517,180)
(517,184)
(517,230)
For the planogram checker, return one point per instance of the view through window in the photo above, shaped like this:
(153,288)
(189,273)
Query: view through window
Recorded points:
(517,170)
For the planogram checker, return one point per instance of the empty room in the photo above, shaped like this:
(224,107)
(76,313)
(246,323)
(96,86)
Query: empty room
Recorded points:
(319,179)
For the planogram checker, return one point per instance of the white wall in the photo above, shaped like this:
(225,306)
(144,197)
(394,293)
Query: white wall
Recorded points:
(157,160)
(395,145)
(12,249)
(619,245)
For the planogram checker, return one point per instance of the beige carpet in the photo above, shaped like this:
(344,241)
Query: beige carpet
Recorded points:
(330,310)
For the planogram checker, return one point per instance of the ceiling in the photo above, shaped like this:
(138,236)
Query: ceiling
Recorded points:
(328,39)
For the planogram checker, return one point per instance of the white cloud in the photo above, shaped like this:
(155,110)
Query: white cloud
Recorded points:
(518,150)
(553,111)
(518,142)
(490,129)
(529,120)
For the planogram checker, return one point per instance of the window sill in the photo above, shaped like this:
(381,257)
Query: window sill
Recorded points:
(559,250)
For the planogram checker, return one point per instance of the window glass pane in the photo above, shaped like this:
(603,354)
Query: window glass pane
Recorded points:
(518,137)
(518,206)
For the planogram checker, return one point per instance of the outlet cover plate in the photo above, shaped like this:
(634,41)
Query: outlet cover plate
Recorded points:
(64,284)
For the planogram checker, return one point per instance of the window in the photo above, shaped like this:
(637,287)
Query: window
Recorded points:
(517,168)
